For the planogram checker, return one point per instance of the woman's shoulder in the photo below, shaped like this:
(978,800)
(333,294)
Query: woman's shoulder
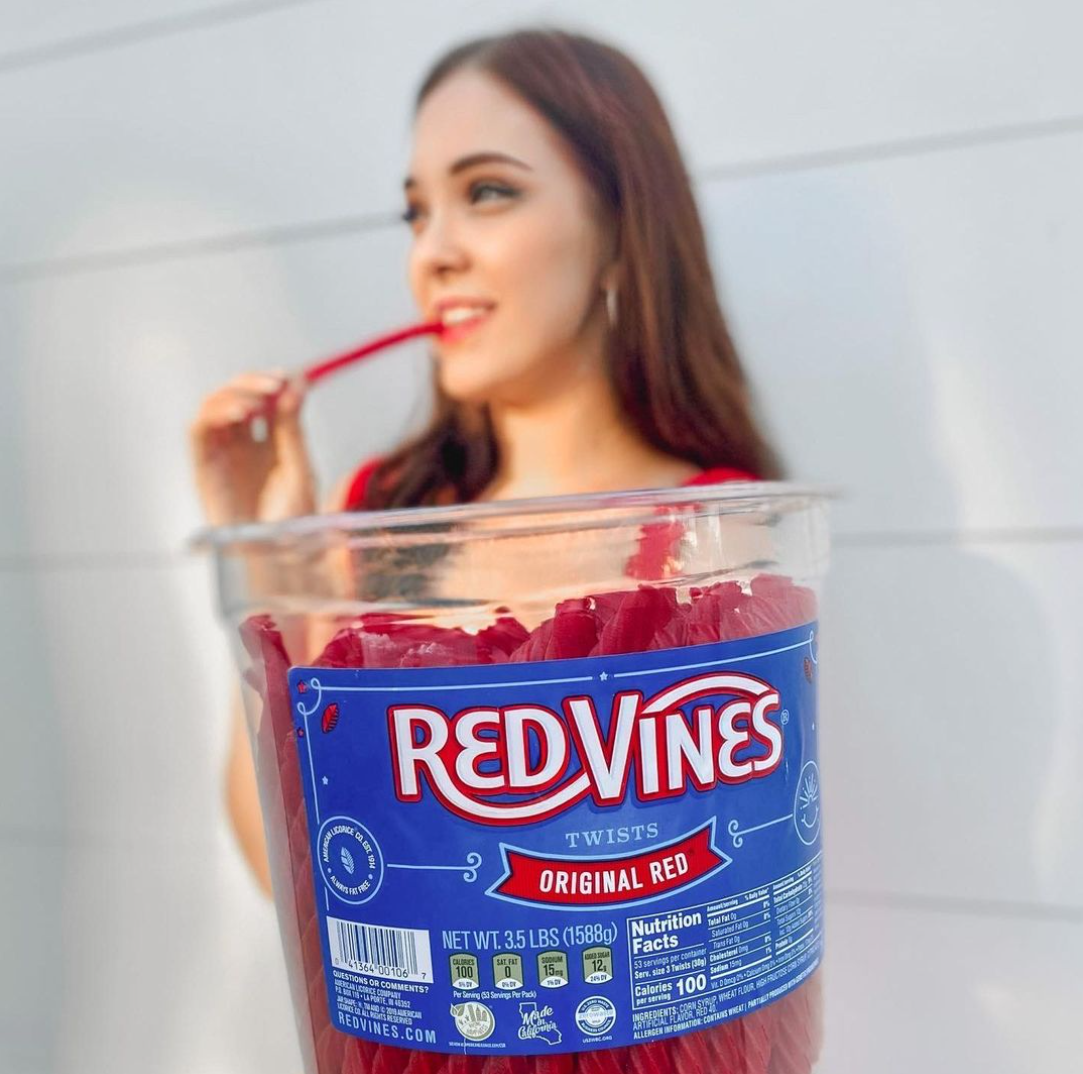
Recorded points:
(716,475)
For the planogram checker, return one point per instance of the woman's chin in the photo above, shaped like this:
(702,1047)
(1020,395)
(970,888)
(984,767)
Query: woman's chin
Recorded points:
(467,386)
(480,376)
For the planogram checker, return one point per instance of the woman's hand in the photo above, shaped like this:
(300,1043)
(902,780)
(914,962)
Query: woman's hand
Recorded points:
(248,449)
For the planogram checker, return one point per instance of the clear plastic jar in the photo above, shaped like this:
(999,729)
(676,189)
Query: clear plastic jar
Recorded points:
(329,614)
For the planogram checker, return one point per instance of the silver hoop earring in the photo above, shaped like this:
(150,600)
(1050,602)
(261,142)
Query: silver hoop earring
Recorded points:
(611,306)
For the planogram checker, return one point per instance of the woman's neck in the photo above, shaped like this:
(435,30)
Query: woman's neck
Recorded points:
(575,441)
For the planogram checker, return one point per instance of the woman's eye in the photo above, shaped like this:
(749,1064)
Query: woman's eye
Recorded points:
(482,191)
(490,191)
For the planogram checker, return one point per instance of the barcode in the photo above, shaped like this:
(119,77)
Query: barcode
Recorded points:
(380,951)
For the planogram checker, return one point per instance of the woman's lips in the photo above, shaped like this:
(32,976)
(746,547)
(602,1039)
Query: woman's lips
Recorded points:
(459,329)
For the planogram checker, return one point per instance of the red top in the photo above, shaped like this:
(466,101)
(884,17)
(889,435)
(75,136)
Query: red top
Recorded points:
(716,475)
(355,496)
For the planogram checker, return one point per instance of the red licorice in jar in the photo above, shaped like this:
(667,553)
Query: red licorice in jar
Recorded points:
(783,1037)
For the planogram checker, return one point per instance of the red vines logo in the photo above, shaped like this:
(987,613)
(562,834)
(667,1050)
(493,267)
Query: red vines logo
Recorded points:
(549,763)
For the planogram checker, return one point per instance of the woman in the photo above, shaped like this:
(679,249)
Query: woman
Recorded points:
(556,236)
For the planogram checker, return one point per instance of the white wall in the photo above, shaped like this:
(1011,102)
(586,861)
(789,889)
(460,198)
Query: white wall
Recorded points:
(188,190)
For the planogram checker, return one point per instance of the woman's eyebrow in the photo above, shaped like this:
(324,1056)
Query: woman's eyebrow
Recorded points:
(472,161)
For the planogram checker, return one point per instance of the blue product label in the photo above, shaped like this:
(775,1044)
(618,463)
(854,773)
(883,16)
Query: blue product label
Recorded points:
(558,856)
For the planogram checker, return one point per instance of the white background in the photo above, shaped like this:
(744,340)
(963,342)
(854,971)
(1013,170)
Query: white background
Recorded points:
(893,192)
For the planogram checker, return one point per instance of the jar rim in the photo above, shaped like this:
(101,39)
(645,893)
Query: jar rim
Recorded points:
(574,510)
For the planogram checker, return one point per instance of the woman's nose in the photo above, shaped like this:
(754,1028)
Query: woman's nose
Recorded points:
(439,248)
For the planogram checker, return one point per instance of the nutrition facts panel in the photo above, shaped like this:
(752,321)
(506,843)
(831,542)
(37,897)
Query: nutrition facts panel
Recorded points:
(739,946)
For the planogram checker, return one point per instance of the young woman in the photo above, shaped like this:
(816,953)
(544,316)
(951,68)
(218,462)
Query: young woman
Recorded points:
(556,235)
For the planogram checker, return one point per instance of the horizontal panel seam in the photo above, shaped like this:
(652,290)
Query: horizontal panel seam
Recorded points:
(139,33)
(900,148)
(959,537)
(189,249)
(92,841)
(362,223)
(958,905)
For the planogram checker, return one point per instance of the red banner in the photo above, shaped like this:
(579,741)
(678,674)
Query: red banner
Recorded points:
(608,881)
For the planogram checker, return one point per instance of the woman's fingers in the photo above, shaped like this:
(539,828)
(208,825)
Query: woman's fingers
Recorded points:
(249,450)
(285,425)
(246,395)
(291,395)
(251,404)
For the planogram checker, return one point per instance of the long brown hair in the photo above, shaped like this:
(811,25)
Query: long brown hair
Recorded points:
(671,360)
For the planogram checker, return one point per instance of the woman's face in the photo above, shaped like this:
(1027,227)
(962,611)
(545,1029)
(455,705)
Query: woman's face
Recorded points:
(509,247)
